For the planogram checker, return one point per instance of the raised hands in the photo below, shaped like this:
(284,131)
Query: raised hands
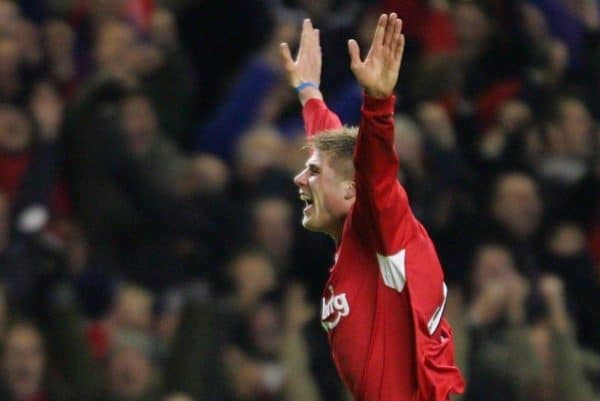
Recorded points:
(307,66)
(378,73)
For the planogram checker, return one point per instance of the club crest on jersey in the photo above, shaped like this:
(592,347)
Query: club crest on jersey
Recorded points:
(333,309)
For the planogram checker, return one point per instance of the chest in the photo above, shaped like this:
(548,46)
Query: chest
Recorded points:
(349,285)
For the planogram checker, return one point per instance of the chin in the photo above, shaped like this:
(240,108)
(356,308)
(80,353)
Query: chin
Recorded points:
(310,225)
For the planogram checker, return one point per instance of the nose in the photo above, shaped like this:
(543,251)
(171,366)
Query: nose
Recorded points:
(300,179)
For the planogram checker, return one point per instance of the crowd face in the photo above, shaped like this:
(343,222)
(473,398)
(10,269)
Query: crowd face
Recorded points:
(129,373)
(492,264)
(115,42)
(409,144)
(273,228)
(472,28)
(139,123)
(257,151)
(10,56)
(133,309)
(517,205)
(24,361)
(8,12)
(15,130)
(253,275)
(207,174)
(327,194)
(575,123)
(265,329)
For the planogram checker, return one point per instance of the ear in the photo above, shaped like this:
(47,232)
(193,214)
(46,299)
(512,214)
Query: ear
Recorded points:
(349,190)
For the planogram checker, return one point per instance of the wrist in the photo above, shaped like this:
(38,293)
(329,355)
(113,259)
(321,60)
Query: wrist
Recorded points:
(377,94)
(309,92)
(306,85)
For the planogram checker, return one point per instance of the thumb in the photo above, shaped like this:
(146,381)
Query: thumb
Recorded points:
(286,56)
(354,53)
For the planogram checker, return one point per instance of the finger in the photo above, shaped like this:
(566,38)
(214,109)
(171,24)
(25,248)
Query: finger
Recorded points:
(397,33)
(398,44)
(390,30)
(312,37)
(318,37)
(354,53)
(308,25)
(380,30)
(400,49)
(305,35)
(286,56)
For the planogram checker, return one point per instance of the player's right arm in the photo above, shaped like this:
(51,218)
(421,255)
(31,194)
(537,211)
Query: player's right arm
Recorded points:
(304,74)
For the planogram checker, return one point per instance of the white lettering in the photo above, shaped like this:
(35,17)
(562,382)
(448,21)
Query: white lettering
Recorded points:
(333,309)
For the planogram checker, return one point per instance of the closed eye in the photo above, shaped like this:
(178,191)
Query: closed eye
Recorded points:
(313,169)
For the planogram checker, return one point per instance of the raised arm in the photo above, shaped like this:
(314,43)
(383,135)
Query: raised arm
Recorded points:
(304,75)
(381,200)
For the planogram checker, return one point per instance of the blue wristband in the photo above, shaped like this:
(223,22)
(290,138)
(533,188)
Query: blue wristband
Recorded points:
(305,85)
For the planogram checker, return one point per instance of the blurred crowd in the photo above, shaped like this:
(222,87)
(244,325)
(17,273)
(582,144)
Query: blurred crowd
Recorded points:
(150,244)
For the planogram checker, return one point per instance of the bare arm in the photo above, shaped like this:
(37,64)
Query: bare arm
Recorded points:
(304,75)
(306,68)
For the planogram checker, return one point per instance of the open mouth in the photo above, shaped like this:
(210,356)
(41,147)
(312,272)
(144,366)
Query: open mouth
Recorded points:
(308,202)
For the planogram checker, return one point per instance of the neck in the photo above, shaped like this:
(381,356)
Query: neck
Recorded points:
(336,232)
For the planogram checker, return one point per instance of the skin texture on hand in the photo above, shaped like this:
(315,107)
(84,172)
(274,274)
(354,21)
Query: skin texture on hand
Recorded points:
(307,65)
(378,73)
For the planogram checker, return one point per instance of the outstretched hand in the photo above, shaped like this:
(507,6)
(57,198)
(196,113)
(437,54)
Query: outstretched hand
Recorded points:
(378,73)
(307,66)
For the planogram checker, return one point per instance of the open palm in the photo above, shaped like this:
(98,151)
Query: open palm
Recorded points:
(378,73)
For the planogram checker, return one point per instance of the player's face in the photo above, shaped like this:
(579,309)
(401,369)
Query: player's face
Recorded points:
(328,196)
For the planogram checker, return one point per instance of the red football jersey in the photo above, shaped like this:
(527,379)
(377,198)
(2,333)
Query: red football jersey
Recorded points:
(384,301)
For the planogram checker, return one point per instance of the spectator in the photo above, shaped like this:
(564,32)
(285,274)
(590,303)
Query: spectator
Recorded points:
(24,363)
(516,212)
(517,357)
(149,268)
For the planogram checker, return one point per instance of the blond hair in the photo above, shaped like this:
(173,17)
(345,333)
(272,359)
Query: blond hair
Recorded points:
(338,145)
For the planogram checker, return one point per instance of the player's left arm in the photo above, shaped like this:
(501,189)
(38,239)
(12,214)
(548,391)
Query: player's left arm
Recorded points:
(381,200)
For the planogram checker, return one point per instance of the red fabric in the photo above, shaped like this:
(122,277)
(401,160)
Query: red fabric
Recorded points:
(60,200)
(140,13)
(317,117)
(490,101)
(383,302)
(98,337)
(41,396)
(413,14)
(594,243)
(449,101)
(12,170)
(439,37)
(433,29)
(79,11)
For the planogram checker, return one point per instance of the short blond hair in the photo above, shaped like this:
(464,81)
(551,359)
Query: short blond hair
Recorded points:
(338,145)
